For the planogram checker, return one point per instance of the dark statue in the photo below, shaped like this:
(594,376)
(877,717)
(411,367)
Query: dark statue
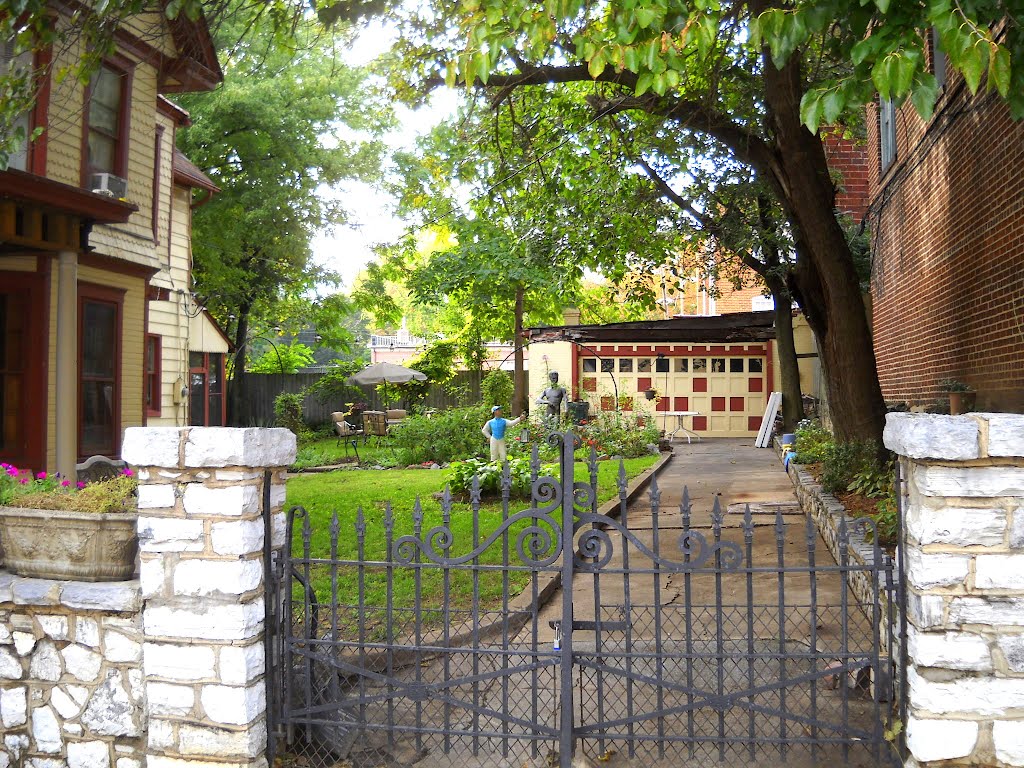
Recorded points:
(553,396)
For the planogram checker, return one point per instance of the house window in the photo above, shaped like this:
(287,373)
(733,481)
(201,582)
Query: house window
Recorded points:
(887,133)
(99,355)
(107,129)
(206,389)
(151,381)
(17,67)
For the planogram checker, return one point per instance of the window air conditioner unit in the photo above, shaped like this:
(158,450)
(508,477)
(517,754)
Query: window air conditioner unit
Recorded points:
(110,185)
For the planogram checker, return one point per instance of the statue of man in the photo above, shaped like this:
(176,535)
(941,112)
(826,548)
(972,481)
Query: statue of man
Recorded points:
(553,396)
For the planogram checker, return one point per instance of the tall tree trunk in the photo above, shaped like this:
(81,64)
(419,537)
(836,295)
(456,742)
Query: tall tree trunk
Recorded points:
(773,276)
(789,365)
(238,412)
(828,287)
(519,374)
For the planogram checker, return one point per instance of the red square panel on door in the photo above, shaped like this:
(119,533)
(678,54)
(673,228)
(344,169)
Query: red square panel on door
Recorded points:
(700,423)
(663,405)
(681,403)
(754,423)
(755,385)
(717,403)
(590,384)
(643,383)
(701,385)
(737,403)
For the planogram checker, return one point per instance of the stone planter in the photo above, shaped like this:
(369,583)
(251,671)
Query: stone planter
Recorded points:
(72,546)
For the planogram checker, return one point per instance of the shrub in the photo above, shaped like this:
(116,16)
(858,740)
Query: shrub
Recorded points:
(461,473)
(620,434)
(288,412)
(445,436)
(497,388)
(332,388)
(812,442)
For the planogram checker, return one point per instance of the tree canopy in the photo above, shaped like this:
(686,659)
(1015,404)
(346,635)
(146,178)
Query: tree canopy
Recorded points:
(284,124)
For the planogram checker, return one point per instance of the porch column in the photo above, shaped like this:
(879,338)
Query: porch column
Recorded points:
(67,363)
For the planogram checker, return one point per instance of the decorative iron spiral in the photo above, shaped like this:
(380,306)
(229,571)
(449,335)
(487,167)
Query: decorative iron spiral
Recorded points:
(595,544)
(583,495)
(537,545)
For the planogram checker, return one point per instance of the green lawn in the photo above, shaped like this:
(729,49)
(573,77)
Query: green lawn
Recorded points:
(345,492)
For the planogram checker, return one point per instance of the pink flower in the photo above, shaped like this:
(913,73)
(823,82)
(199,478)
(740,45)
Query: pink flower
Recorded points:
(80,485)
(41,476)
(65,483)
(24,481)
(12,471)
(127,472)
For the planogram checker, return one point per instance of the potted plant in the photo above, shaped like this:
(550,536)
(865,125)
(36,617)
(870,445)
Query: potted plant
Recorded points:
(961,396)
(51,528)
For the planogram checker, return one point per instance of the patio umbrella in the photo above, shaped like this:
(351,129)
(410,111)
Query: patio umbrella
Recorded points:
(385,373)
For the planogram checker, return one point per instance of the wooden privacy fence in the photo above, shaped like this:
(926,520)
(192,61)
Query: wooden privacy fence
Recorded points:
(463,390)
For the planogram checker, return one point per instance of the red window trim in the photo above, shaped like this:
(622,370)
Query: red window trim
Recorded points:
(152,379)
(205,369)
(104,295)
(126,67)
(158,151)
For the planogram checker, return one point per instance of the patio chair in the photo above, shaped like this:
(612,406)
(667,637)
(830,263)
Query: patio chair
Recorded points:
(395,415)
(346,432)
(375,424)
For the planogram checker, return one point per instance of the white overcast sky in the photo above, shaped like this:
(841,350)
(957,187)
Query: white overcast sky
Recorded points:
(349,248)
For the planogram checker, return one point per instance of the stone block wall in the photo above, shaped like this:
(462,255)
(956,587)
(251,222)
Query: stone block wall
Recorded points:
(964,531)
(70,674)
(166,671)
(201,536)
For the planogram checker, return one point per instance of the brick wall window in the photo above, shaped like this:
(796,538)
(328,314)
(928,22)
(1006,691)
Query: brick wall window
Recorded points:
(938,59)
(886,133)
(151,380)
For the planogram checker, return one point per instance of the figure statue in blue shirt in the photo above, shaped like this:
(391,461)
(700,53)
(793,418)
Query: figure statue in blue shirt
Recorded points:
(494,430)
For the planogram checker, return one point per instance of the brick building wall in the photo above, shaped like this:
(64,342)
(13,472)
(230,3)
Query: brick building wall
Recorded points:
(947,227)
(847,158)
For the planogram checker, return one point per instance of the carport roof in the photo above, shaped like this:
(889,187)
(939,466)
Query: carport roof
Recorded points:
(736,327)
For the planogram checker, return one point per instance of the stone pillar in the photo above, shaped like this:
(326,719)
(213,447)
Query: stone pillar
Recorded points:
(201,535)
(964,530)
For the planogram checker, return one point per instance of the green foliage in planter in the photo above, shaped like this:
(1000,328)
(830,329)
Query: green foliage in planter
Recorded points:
(812,442)
(445,436)
(497,388)
(117,494)
(288,412)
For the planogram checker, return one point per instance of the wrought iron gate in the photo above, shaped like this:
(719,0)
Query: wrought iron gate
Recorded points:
(644,637)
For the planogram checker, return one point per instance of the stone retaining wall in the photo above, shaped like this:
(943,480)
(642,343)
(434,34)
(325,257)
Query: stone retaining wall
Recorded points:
(169,668)
(964,534)
(70,674)
(828,515)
